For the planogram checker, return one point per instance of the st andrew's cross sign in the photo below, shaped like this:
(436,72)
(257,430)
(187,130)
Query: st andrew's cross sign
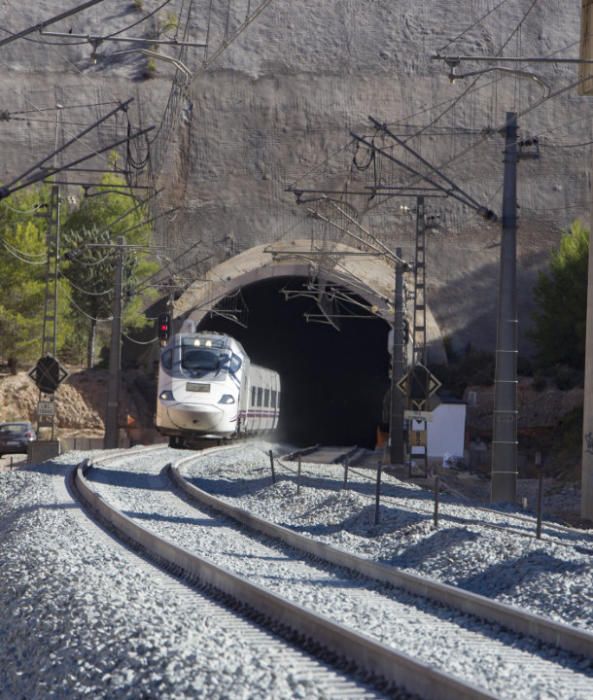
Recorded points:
(48,374)
(418,384)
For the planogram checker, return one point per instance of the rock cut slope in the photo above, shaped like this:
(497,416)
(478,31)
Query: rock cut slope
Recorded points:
(277,107)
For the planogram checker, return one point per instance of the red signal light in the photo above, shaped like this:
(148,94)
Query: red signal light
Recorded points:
(164,327)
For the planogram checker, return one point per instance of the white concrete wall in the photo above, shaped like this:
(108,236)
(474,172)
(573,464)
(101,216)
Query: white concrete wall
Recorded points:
(446,430)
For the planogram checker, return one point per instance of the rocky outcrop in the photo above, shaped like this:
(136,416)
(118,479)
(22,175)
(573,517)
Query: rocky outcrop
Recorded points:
(80,402)
(278,106)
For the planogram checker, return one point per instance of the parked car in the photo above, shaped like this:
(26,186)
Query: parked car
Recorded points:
(15,437)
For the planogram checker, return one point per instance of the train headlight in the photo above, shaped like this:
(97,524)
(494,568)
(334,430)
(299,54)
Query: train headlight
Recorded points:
(166,395)
(227,398)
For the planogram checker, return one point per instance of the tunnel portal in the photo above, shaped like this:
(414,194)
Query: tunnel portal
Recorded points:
(333,382)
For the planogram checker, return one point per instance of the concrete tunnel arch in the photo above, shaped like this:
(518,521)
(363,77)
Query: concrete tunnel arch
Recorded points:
(333,382)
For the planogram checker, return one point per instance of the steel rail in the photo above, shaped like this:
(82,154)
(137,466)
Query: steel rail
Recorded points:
(335,678)
(520,621)
(365,653)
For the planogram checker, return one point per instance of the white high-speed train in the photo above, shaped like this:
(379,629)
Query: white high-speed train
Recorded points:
(208,388)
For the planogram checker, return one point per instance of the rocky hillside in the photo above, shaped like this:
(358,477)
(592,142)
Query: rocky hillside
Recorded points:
(277,107)
(80,401)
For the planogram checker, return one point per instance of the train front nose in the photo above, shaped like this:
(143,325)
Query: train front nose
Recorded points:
(199,418)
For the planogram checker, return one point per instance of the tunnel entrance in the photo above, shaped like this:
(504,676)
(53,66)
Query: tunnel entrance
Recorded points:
(333,382)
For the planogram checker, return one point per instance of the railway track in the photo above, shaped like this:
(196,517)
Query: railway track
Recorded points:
(472,659)
(330,677)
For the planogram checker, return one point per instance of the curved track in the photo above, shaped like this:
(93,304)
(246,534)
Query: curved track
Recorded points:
(331,678)
(476,651)
(386,667)
(561,635)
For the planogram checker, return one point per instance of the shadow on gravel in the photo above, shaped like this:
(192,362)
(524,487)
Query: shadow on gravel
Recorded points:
(233,489)
(317,529)
(507,575)
(9,520)
(47,467)
(363,488)
(435,545)
(262,557)
(362,524)
(34,507)
(133,480)
(179,519)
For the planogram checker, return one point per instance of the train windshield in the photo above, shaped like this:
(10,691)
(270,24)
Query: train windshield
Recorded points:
(206,361)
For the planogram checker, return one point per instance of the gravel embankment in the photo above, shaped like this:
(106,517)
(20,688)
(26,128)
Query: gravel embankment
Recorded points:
(551,577)
(441,637)
(80,618)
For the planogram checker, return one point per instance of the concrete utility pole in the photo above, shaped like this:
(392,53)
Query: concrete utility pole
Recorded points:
(111,427)
(587,450)
(49,334)
(586,88)
(396,416)
(504,440)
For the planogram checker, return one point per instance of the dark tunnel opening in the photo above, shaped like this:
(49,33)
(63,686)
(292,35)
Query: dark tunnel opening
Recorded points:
(333,382)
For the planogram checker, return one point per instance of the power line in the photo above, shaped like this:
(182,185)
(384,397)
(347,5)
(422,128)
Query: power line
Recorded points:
(45,43)
(491,132)
(20,255)
(488,132)
(227,42)
(23,211)
(481,87)
(64,107)
(472,26)
(46,23)
(87,39)
(140,342)
(567,145)
(88,292)
(465,92)
(140,21)
(77,307)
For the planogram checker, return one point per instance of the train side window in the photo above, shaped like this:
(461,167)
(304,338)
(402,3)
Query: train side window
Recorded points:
(260,395)
(266,398)
(273,399)
(167,359)
(235,363)
(253,390)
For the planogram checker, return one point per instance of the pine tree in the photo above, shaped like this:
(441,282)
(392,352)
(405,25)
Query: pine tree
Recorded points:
(100,219)
(561,299)
(23,264)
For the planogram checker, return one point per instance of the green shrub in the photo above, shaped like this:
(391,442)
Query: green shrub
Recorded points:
(150,68)
(560,296)
(170,22)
